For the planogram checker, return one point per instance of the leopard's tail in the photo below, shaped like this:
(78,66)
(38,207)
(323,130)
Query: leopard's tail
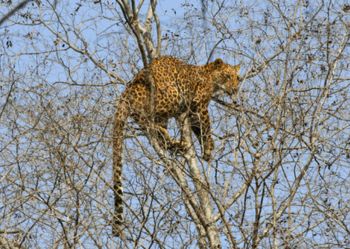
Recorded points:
(120,119)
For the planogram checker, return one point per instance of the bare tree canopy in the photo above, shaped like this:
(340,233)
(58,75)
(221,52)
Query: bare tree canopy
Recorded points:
(18,7)
(280,168)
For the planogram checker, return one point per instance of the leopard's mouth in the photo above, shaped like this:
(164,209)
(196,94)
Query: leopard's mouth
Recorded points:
(230,92)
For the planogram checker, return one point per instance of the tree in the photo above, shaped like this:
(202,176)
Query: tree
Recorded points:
(279,173)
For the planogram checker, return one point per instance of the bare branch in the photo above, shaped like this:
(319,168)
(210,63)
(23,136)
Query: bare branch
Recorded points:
(15,9)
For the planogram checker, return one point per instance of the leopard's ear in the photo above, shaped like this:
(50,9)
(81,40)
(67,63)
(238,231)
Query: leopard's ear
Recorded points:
(237,67)
(218,62)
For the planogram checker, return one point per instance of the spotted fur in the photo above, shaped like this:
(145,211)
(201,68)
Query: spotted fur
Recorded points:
(167,88)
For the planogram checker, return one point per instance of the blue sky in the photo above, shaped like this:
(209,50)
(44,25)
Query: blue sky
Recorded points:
(42,73)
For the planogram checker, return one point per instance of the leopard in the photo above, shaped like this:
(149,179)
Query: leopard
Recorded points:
(168,88)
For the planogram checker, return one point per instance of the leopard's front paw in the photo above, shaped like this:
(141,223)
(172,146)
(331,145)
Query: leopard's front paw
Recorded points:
(207,156)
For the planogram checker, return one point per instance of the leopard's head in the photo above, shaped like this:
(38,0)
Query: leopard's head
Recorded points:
(225,77)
